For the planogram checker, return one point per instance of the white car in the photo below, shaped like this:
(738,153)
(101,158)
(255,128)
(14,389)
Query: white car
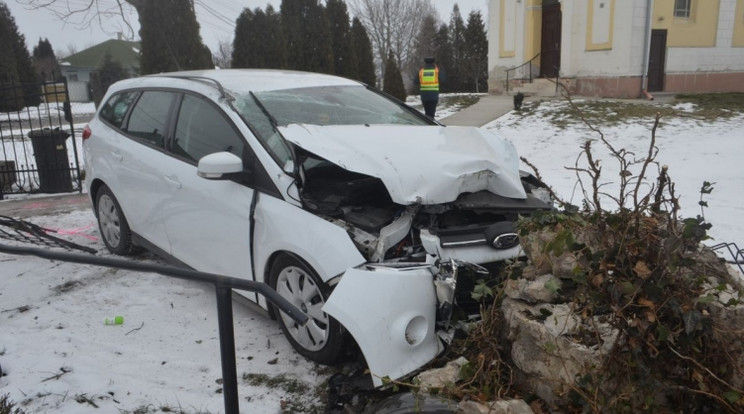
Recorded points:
(356,208)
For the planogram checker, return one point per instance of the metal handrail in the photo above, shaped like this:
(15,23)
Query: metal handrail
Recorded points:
(517,67)
(737,254)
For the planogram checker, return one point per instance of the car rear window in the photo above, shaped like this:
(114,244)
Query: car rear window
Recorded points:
(115,109)
(149,117)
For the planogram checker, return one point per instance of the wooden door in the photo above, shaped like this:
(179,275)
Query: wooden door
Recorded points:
(550,42)
(656,61)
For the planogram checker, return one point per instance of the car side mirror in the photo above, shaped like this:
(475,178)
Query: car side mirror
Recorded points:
(219,166)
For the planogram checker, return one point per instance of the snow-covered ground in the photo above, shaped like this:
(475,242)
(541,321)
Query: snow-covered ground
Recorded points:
(44,111)
(59,356)
(695,151)
(165,354)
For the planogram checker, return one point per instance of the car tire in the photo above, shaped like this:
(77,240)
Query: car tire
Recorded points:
(112,224)
(322,339)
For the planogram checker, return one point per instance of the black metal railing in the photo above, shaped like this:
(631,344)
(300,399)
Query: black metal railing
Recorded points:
(557,78)
(223,286)
(737,254)
(39,151)
(530,77)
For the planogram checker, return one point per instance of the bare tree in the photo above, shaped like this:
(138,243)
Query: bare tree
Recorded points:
(393,26)
(223,57)
(93,12)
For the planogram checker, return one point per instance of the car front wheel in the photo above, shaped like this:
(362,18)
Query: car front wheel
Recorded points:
(321,339)
(113,225)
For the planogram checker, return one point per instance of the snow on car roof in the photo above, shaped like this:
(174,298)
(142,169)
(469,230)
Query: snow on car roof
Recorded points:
(245,80)
(234,80)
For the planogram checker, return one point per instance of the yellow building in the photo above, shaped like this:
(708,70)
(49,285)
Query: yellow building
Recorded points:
(619,48)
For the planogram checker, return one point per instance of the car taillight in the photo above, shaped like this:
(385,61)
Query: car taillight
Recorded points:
(86,132)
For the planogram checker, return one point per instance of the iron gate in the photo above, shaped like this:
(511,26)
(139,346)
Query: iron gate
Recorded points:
(39,147)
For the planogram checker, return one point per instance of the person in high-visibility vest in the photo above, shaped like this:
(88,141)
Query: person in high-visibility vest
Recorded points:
(428,80)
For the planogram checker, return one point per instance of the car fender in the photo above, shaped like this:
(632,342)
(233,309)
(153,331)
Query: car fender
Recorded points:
(283,227)
(391,314)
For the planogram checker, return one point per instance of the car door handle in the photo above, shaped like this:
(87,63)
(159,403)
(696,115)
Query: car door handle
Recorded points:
(117,155)
(172,181)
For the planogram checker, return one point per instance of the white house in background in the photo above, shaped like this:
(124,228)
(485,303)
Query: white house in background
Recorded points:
(620,48)
(78,67)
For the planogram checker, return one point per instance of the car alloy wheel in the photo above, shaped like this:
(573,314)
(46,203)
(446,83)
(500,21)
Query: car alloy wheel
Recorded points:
(295,285)
(321,338)
(113,225)
(108,218)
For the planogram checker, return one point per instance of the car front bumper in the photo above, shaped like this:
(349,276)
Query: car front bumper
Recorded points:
(391,311)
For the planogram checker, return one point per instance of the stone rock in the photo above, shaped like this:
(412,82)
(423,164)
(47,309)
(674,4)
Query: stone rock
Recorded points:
(495,407)
(535,245)
(729,319)
(441,377)
(542,346)
(542,289)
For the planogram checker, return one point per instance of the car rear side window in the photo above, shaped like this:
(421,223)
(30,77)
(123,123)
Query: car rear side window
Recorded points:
(202,129)
(149,117)
(115,109)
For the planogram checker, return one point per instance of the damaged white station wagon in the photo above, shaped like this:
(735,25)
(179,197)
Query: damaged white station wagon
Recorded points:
(356,208)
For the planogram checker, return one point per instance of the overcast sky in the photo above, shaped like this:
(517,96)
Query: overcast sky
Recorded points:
(216,17)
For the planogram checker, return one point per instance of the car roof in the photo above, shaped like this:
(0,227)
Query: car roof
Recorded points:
(239,80)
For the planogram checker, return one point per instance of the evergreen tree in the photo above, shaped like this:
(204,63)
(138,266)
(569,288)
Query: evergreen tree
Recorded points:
(344,55)
(443,54)
(17,77)
(243,54)
(425,45)
(475,59)
(170,37)
(457,42)
(365,57)
(45,62)
(274,41)
(107,73)
(308,36)
(111,71)
(393,82)
(259,42)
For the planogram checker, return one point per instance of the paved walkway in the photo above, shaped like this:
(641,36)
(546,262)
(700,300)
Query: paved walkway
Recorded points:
(42,206)
(488,108)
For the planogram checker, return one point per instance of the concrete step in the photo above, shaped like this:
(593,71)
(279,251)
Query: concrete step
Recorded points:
(538,87)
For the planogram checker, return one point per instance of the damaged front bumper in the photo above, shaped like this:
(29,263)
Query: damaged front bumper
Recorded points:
(398,313)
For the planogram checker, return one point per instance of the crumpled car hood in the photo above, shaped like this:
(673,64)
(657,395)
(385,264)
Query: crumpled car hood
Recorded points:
(418,164)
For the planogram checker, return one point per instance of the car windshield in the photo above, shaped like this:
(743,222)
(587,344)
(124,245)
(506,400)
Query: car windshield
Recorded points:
(326,105)
(331,105)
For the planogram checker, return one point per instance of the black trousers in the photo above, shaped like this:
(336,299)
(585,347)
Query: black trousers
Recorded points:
(430,107)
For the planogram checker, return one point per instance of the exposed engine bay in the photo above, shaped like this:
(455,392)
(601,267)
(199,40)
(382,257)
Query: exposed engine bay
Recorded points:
(387,231)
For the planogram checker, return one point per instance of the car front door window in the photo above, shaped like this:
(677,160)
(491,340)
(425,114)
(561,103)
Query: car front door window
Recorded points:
(202,129)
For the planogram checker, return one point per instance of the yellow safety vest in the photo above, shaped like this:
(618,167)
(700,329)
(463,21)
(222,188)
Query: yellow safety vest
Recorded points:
(429,79)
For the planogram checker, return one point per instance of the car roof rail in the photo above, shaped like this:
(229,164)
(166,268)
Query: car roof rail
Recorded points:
(223,92)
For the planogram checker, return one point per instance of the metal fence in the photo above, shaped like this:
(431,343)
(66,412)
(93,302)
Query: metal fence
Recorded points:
(39,151)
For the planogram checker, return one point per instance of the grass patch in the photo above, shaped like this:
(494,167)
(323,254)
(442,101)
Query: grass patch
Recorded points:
(730,100)
(300,398)
(712,105)
(8,407)
(607,113)
(152,409)
(707,107)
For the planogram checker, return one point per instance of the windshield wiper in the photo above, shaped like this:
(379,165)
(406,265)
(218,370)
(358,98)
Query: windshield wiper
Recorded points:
(273,120)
